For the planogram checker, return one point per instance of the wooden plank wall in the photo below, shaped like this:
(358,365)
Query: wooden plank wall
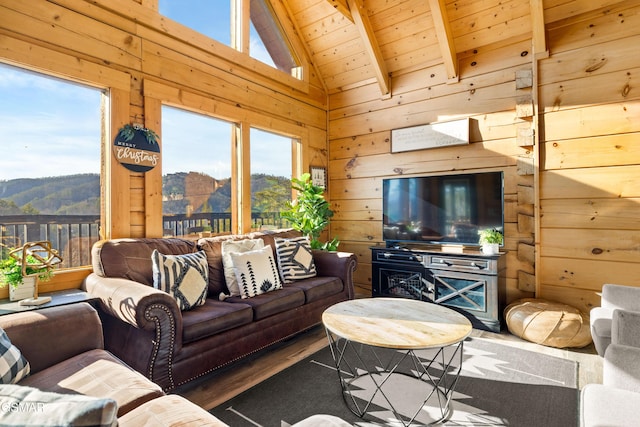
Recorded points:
(360,125)
(588,152)
(590,156)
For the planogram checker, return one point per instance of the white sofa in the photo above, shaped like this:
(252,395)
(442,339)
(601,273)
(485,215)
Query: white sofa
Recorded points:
(618,302)
(615,402)
(615,327)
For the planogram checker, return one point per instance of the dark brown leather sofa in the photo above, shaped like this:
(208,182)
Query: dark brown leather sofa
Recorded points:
(144,326)
(64,347)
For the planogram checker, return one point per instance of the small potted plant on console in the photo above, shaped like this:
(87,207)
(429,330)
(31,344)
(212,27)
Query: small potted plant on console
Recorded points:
(22,269)
(490,239)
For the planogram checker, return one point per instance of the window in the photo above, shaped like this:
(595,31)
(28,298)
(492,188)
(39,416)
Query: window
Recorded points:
(197,183)
(267,40)
(211,18)
(257,49)
(50,137)
(270,178)
(196,173)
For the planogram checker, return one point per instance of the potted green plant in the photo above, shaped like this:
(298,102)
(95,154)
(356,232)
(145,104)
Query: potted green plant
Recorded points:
(23,266)
(490,239)
(309,213)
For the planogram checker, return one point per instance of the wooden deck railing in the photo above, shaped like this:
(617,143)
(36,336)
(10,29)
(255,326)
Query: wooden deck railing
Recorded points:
(71,235)
(74,235)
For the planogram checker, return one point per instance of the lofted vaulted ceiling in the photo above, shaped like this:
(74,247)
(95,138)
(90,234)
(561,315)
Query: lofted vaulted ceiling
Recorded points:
(357,42)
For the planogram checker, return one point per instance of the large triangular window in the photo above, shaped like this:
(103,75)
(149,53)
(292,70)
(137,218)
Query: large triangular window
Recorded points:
(267,39)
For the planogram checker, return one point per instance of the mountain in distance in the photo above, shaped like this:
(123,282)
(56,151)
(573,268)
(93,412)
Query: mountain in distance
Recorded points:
(60,195)
(80,194)
(199,192)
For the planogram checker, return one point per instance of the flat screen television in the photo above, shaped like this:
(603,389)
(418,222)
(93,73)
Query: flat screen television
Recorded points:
(447,209)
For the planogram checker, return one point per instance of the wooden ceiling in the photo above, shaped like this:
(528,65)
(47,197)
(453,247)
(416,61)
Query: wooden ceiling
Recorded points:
(355,42)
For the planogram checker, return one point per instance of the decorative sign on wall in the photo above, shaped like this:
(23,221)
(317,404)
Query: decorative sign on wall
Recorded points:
(434,135)
(136,148)
(319,176)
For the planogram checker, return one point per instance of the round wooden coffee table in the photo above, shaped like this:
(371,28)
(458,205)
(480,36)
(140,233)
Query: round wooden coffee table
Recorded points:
(374,340)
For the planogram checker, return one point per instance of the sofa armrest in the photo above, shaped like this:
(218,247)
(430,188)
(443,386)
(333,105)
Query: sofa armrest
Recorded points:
(139,305)
(625,327)
(337,264)
(621,368)
(51,335)
(147,332)
(619,296)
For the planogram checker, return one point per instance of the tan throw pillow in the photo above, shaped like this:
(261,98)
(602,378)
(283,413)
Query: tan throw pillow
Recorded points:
(256,271)
(185,277)
(295,259)
(236,246)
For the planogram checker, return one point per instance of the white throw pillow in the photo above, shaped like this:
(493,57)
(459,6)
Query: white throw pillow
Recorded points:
(256,271)
(295,259)
(185,277)
(237,246)
(13,365)
(28,406)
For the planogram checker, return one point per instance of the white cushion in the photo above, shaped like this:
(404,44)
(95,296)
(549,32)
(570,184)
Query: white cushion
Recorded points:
(28,406)
(323,420)
(600,319)
(13,365)
(295,259)
(256,271)
(607,406)
(185,277)
(237,246)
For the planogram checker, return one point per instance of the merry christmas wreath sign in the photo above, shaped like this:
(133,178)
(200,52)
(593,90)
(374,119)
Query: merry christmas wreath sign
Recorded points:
(136,148)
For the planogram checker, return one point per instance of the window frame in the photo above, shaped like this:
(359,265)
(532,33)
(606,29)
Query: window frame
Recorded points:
(158,94)
(299,82)
(116,88)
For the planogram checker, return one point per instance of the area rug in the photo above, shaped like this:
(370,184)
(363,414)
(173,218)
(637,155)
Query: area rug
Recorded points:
(499,385)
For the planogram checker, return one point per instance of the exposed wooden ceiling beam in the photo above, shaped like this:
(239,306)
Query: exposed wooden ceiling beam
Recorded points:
(342,7)
(538,31)
(445,38)
(361,20)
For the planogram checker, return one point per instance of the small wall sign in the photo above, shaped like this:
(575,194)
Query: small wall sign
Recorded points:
(434,135)
(136,148)
(319,176)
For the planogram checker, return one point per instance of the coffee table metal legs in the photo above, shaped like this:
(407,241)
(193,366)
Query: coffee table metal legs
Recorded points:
(376,380)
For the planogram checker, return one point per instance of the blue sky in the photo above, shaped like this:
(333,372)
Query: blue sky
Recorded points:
(201,16)
(47,128)
(50,127)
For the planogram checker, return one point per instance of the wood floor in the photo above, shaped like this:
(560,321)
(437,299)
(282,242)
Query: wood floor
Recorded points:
(214,389)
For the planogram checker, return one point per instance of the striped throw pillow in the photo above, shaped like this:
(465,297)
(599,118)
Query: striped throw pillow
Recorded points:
(295,260)
(185,277)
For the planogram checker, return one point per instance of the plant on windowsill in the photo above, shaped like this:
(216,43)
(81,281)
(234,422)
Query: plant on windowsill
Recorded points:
(309,213)
(490,239)
(24,266)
